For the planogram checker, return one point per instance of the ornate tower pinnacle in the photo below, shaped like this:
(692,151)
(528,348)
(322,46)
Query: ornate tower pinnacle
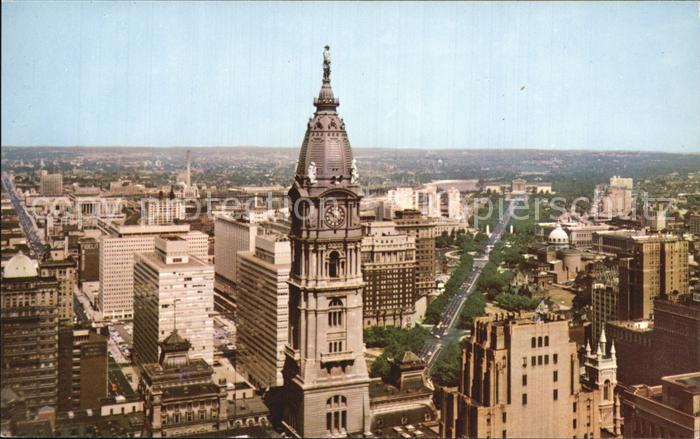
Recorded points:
(325,159)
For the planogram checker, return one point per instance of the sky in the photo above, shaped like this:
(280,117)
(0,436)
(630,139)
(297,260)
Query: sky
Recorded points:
(569,75)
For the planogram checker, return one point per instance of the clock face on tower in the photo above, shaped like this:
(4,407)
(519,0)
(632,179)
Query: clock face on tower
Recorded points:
(334,216)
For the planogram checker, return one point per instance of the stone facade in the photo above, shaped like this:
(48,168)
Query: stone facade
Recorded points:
(518,369)
(325,374)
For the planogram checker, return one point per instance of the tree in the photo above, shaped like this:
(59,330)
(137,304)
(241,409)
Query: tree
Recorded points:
(515,302)
(381,367)
(447,366)
(474,306)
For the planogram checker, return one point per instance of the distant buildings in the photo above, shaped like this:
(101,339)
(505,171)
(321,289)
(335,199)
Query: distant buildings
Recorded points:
(613,200)
(517,186)
(172,289)
(402,198)
(263,308)
(389,272)
(118,248)
(29,336)
(667,410)
(455,209)
(521,378)
(50,184)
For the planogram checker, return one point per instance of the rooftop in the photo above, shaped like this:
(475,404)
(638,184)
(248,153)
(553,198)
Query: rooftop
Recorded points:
(689,381)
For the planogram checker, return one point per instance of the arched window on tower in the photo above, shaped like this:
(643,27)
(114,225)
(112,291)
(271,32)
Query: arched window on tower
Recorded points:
(335,313)
(334,264)
(336,414)
(606,390)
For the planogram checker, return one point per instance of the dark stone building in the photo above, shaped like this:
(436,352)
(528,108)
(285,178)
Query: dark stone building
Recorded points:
(82,368)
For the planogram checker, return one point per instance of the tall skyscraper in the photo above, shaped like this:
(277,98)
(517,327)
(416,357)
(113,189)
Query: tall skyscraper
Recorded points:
(520,377)
(232,236)
(326,380)
(117,250)
(455,209)
(658,265)
(412,223)
(29,336)
(172,289)
(389,271)
(262,328)
(50,184)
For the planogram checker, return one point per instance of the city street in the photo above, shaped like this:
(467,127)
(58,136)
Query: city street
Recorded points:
(438,336)
(29,227)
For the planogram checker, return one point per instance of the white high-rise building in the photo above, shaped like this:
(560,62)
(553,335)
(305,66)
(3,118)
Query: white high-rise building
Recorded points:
(164,210)
(402,198)
(454,204)
(231,236)
(172,290)
(263,307)
(117,252)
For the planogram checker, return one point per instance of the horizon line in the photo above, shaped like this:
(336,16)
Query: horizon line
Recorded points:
(366,148)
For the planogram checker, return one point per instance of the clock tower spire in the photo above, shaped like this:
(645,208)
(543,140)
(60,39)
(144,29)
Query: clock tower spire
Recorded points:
(326,380)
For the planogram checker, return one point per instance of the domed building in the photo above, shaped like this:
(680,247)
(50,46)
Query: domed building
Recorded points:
(561,259)
(558,237)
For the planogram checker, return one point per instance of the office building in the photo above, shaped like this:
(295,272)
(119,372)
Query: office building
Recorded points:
(65,272)
(455,209)
(657,265)
(673,334)
(412,223)
(82,369)
(29,336)
(601,283)
(389,272)
(50,185)
(694,224)
(117,252)
(325,375)
(671,409)
(401,198)
(162,210)
(88,260)
(519,369)
(172,289)
(263,308)
(231,236)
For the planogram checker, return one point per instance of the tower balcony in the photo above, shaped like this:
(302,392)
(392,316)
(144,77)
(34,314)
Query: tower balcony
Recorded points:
(337,357)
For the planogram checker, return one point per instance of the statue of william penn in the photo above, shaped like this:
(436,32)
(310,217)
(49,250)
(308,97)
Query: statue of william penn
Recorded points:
(326,63)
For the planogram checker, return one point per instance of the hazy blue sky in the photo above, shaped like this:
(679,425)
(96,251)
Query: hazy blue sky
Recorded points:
(446,75)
